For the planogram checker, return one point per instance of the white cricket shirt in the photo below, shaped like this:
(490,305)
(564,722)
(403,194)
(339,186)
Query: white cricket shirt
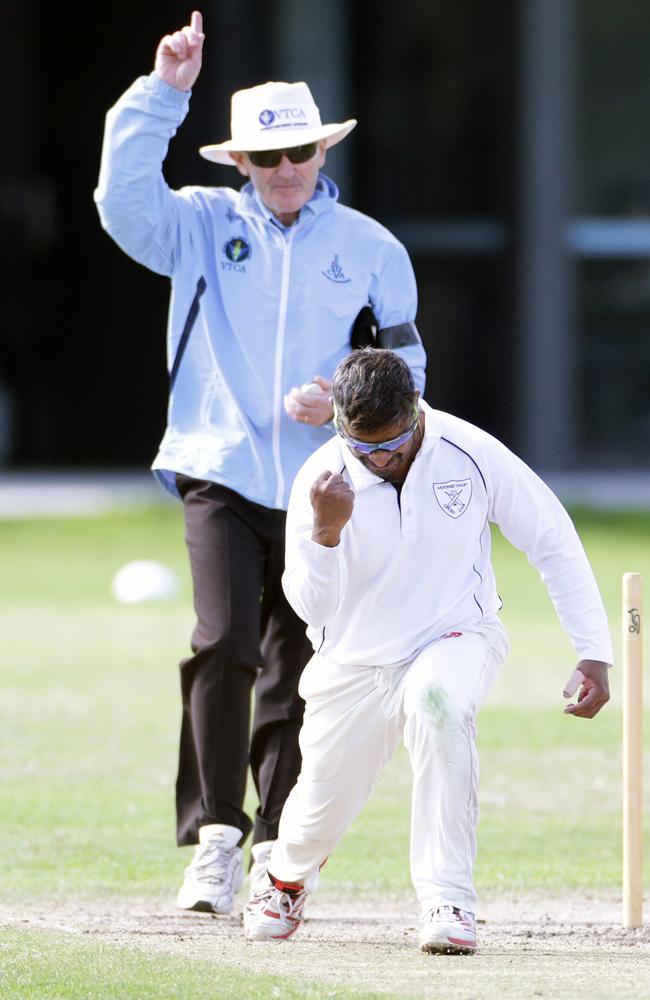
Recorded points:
(409,569)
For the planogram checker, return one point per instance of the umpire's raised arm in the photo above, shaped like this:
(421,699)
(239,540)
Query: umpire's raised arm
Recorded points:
(136,207)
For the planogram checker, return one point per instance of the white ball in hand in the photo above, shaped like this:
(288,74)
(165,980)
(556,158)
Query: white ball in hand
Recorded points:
(312,388)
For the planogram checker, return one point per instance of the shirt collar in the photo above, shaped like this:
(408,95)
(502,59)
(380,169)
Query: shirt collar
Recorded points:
(270,217)
(325,195)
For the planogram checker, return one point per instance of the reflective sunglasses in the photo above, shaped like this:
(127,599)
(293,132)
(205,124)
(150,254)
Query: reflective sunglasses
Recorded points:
(366,447)
(272,157)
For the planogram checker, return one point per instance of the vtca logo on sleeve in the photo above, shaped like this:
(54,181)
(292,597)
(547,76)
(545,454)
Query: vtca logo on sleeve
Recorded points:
(453,497)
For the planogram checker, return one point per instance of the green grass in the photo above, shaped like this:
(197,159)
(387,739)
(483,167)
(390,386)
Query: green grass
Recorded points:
(50,966)
(90,713)
(89,718)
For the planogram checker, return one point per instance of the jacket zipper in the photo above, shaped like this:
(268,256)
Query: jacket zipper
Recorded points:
(279,351)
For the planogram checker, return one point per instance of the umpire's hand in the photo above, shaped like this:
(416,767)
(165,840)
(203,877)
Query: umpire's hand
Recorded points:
(312,407)
(333,500)
(179,56)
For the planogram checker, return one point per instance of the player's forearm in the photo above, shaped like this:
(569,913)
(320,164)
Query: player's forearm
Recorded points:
(559,557)
(314,582)
(532,518)
(574,592)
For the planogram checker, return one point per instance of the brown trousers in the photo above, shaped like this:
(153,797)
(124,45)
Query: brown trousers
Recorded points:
(246,636)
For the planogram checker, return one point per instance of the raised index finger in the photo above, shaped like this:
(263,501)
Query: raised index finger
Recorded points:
(196,21)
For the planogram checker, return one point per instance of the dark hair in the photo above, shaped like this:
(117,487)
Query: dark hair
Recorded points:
(373,388)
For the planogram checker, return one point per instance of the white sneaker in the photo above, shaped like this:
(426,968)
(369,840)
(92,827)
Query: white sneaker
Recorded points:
(447,930)
(215,872)
(274,913)
(261,854)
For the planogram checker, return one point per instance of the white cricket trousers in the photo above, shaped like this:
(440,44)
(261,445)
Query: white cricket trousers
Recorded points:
(354,717)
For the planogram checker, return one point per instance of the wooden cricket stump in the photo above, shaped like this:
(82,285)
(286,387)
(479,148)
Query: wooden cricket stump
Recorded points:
(632,750)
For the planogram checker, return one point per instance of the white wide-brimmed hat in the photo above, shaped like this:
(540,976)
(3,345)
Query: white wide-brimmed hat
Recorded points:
(274,116)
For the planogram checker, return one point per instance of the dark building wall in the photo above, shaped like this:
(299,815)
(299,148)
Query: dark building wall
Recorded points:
(437,87)
(83,346)
(82,350)
(434,149)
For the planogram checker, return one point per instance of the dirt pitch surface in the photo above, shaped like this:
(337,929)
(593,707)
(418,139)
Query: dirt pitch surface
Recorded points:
(544,946)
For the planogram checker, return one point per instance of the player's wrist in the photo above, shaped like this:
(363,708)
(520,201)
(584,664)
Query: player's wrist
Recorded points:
(327,537)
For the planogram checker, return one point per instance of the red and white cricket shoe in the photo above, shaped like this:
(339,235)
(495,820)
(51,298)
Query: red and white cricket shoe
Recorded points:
(274,911)
(447,930)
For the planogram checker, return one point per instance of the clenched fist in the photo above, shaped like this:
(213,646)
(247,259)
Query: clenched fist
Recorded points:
(332,499)
(179,56)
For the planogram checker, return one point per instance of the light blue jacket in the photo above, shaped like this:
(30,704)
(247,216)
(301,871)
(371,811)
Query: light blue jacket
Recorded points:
(255,308)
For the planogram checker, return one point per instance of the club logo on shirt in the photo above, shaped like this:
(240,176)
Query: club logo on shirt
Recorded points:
(453,497)
(237,250)
(335,272)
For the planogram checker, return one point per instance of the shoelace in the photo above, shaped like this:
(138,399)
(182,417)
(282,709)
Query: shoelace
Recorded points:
(451,913)
(289,905)
(212,862)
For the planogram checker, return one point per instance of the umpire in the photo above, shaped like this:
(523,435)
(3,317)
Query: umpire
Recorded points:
(267,283)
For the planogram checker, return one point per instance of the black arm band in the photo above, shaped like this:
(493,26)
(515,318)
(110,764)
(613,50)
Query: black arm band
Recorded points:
(401,335)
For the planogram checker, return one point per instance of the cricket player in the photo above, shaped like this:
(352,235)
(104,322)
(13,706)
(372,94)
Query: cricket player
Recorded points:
(388,562)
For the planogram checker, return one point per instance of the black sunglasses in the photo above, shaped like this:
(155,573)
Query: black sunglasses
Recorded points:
(272,157)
